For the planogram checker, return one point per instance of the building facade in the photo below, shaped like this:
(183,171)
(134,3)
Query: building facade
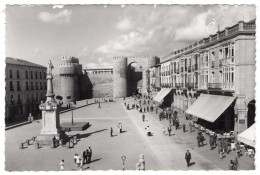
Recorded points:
(25,88)
(222,64)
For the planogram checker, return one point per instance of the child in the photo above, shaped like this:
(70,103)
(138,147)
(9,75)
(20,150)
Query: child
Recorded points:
(62,165)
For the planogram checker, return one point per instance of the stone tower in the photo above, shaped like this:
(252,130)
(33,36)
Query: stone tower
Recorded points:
(70,71)
(119,77)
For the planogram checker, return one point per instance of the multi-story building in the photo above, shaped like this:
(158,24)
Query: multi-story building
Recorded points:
(221,67)
(155,77)
(25,88)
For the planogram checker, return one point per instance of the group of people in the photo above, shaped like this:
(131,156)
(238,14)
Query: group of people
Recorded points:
(80,161)
(119,129)
(200,139)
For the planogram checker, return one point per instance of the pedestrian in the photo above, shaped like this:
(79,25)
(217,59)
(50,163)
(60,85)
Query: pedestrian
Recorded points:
(156,110)
(144,109)
(148,131)
(177,124)
(235,163)
(111,132)
(84,156)
(78,160)
(231,165)
(190,127)
(125,103)
(163,130)
(184,127)
(169,130)
(170,121)
(147,108)
(118,127)
(90,154)
(188,158)
(81,164)
(198,139)
(143,116)
(211,142)
(75,158)
(215,139)
(121,128)
(202,138)
(62,165)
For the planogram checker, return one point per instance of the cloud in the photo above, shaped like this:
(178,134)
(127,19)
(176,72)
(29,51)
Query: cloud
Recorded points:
(196,30)
(129,43)
(61,17)
(124,24)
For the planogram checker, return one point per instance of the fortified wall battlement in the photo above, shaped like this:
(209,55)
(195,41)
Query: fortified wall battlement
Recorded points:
(120,69)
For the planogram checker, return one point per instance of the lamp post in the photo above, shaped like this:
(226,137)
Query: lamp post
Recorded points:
(99,102)
(72,121)
(123,159)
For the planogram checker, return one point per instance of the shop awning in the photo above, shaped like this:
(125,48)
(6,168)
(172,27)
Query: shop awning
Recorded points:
(159,97)
(209,107)
(248,136)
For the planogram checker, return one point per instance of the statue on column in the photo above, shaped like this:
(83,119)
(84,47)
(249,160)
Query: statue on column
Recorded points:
(50,67)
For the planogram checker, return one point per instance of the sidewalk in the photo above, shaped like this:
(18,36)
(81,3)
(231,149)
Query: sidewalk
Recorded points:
(164,147)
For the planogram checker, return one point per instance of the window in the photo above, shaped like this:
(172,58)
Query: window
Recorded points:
(26,74)
(36,96)
(11,86)
(27,85)
(11,73)
(12,99)
(44,75)
(18,86)
(40,85)
(36,85)
(17,74)
(31,74)
(31,85)
(19,98)
(40,75)
(36,75)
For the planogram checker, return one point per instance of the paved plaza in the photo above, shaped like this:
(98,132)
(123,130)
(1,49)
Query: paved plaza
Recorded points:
(161,152)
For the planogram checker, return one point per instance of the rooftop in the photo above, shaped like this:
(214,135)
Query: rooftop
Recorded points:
(10,60)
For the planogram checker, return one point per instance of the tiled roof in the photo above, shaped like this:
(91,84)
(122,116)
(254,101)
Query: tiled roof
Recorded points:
(17,61)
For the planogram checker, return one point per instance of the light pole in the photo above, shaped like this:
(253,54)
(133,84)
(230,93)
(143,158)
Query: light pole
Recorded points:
(99,102)
(123,159)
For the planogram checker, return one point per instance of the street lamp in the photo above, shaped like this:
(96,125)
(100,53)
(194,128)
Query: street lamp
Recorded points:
(123,159)
(99,102)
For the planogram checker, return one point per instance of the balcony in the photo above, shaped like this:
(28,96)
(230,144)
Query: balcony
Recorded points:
(203,86)
(228,86)
(177,85)
(214,85)
(205,65)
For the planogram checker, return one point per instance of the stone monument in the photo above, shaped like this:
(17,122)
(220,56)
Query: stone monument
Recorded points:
(51,132)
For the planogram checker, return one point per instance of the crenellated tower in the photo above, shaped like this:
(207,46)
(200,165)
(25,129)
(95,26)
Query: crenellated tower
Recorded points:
(70,71)
(119,77)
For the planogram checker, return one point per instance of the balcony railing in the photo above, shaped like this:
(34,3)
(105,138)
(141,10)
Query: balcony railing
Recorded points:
(228,86)
(214,85)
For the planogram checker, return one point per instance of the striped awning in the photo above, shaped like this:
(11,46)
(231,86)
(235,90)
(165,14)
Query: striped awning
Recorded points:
(248,136)
(209,107)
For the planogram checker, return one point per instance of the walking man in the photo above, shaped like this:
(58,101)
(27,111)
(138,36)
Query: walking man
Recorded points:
(90,154)
(184,127)
(188,158)
(111,132)
(169,130)
(190,127)
(198,139)
(143,116)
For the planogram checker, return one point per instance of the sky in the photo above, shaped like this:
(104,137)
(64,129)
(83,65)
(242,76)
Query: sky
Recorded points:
(97,33)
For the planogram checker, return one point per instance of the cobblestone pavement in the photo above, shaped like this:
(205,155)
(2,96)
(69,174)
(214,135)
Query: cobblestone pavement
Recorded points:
(161,152)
